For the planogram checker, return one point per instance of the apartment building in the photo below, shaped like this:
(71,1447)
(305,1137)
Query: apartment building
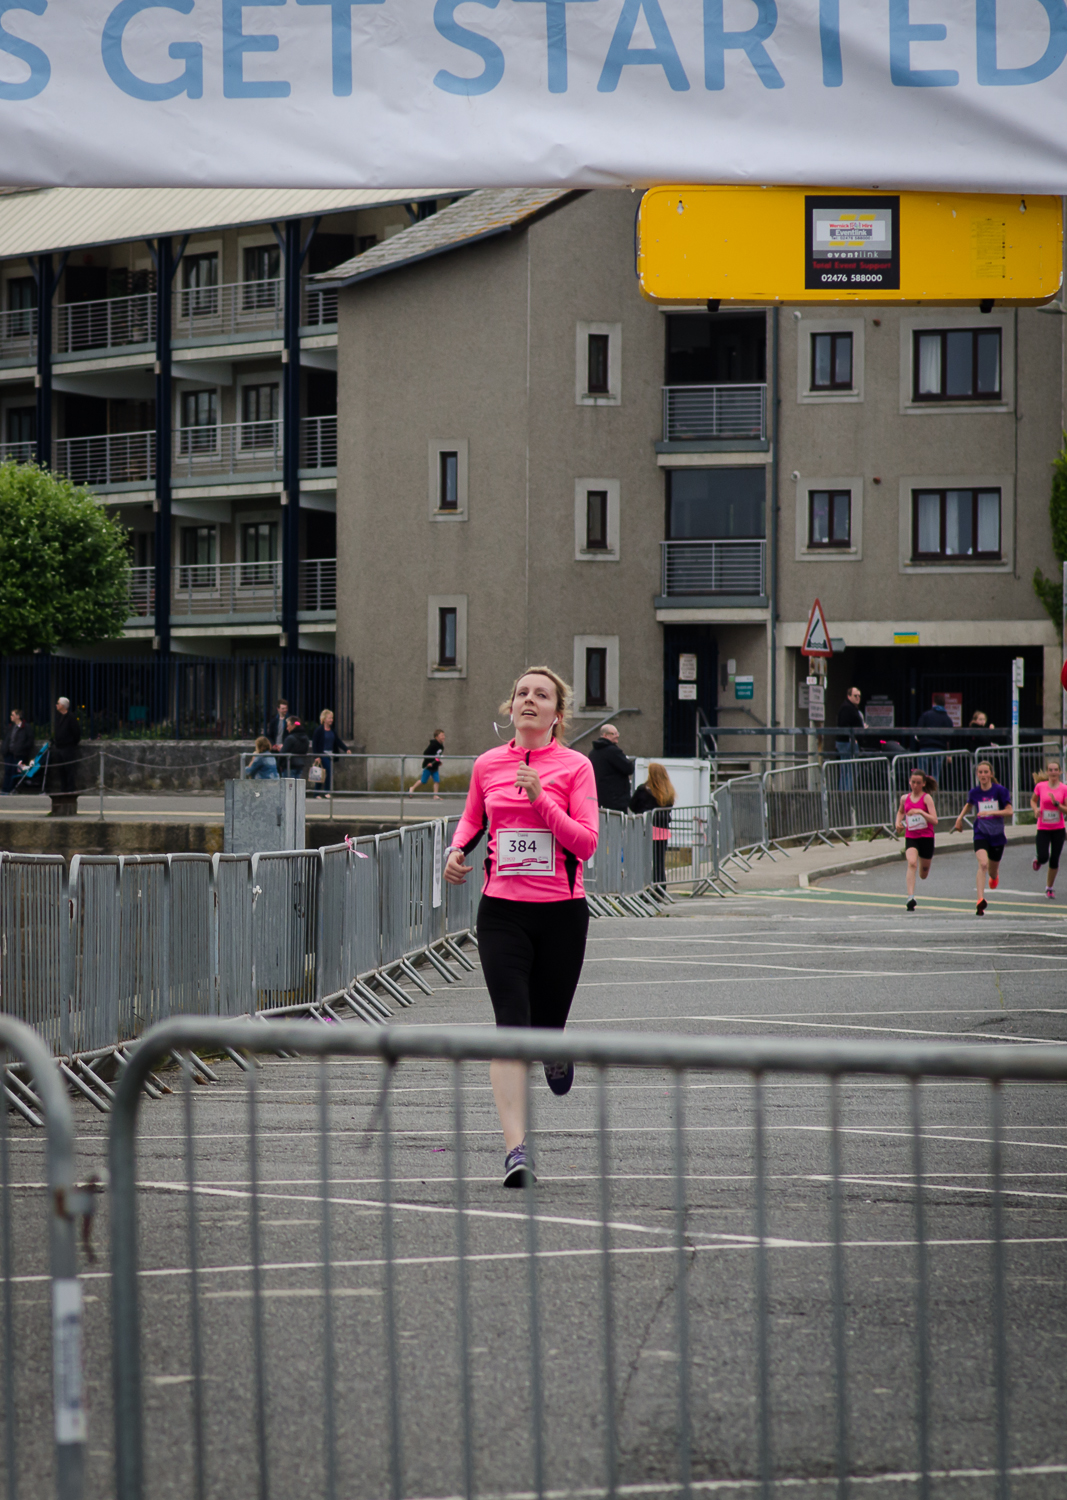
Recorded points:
(169,349)
(535,464)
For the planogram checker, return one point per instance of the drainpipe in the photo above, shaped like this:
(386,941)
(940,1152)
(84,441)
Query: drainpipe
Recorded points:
(293,261)
(45,276)
(772,713)
(163,254)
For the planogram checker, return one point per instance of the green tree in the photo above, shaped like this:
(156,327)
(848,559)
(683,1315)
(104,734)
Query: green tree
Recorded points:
(64,564)
(1050,590)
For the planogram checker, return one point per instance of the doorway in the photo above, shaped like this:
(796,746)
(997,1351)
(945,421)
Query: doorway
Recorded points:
(690,682)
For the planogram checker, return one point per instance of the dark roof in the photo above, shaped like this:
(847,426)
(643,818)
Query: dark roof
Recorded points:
(481,215)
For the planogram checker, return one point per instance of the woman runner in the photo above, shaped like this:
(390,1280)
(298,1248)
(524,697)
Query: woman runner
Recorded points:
(917,817)
(1048,800)
(992,804)
(538,799)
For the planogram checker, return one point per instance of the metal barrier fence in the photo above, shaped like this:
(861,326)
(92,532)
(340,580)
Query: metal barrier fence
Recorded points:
(42,1402)
(690,853)
(807,1309)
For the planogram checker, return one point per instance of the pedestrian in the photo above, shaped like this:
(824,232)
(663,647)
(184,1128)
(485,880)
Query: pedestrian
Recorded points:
(431,765)
(849,716)
(917,819)
(992,804)
(612,770)
(63,755)
(17,748)
(980,720)
(325,744)
(538,799)
(1048,800)
(656,795)
(262,766)
(295,748)
(936,717)
(276,726)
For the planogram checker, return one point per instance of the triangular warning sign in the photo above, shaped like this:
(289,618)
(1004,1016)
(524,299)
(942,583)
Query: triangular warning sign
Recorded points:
(817,635)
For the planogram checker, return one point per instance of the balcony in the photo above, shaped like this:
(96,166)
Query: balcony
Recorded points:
(112,323)
(18,453)
(238,448)
(320,306)
(111,459)
(704,569)
(18,335)
(318,443)
(242,307)
(711,413)
(216,592)
(234,448)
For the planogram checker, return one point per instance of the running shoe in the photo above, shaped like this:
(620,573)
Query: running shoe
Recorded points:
(1050,893)
(994,881)
(518,1169)
(1037,864)
(979,910)
(912,904)
(559,1077)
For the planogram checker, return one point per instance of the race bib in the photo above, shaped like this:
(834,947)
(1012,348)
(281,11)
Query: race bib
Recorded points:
(916,822)
(1051,819)
(988,805)
(525,851)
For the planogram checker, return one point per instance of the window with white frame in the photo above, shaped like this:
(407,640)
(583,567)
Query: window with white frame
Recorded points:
(598,364)
(956,525)
(596,674)
(446,635)
(957,364)
(447,476)
(829,359)
(829,518)
(596,520)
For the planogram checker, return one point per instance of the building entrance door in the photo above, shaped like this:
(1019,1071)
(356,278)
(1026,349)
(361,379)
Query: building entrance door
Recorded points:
(690,681)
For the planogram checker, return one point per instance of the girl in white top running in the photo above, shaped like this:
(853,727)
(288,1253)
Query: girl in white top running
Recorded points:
(917,819)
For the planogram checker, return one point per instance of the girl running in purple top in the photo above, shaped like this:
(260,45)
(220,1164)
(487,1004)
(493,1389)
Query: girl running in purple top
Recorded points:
(538,800)
(992,805)
(1050,795)
(917,819)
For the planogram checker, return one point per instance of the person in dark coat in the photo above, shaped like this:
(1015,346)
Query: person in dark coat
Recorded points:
(17,748)
(64,752)
(295,747)
(325,744)
(612,770)
(276,726)
(431,765)
(936,718)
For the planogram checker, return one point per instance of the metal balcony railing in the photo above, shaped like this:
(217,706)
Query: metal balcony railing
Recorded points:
(714,567)
(18,453)
(318,585)
(692,413)
(244,307)
(320,306)
(234,448)
(18,334)
(318,443)
(111,323)
(111,458)
(244,588)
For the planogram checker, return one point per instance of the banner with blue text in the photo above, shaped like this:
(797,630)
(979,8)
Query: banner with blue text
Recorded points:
(466,93)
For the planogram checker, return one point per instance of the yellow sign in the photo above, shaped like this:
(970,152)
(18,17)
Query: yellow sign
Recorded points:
(756,244)
(905,637)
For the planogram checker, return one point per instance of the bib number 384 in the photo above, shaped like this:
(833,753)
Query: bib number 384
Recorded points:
(525,851)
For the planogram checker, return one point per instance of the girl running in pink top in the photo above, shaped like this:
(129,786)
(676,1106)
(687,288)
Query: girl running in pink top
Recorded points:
(538,801)
(1048,801)
(917,818)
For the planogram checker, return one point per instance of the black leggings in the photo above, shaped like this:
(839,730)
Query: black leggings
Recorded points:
(1049,846)
(531,953)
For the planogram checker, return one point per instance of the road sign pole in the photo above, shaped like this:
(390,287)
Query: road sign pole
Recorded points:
(1016,683)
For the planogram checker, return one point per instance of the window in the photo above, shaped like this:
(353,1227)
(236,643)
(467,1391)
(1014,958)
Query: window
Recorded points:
(262,269)
(448,480)
(198,558)
(259,416)
(596,677)
(716,349)
(956,524)
(21,424)
(598,380)
(200,285)
(259,550)
(957,364)
(829,518)
(719,503)
(199,424)
(447,636)
(831,361)
(596,520)
(21,300)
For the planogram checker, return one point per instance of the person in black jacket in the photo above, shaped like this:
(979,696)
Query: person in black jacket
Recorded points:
(278,725)
(612,770)
(937,718)
(17,749)
(656,795)
(431,765)
(64,752)
(295,747)
(325,744)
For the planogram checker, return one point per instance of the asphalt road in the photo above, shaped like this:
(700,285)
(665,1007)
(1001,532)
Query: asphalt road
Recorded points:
(843,960)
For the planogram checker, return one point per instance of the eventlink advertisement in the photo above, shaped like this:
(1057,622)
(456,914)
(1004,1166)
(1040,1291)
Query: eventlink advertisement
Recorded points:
(467,93)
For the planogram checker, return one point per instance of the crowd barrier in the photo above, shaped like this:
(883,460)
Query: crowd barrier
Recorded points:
(421,1337)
